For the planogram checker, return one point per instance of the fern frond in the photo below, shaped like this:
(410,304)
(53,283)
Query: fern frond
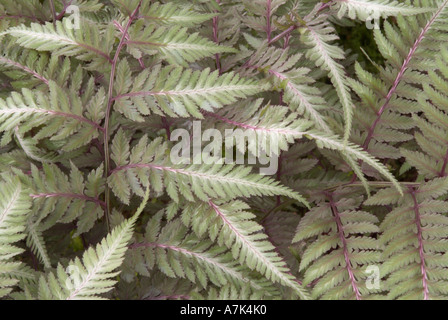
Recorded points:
(14,209)
(94,274)
(374,9)
(173,14)
(179,102)
(86,44)
(273,126)
(29,147)
(399,92)
(28,61)
(281,229)
(149,161)
(175,91)
(84,6)
(296,83)
(289,129)
(432,139)
(260,15)
(36,242)
(13,13)
(179,253)
(174,44)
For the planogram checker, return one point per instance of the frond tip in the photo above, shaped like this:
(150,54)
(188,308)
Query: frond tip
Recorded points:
(414,241)
(341,249)
(373,9)
(177,252)
(93,276)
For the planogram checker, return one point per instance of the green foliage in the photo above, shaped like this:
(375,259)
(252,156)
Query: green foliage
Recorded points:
(336,260)
(95,273)
(90,124)
(14,209)
(58,114)
(175,44)
(235,229)
(174,92)
(178,253)
(362,9)
(86,44)
(147,164)
(431,138)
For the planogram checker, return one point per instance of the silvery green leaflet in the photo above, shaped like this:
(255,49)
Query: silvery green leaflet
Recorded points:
(135,138)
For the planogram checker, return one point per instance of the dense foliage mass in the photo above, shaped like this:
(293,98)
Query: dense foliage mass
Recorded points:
(95,96)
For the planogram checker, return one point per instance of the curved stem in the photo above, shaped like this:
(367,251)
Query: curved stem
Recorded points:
(109,109)
(205,257)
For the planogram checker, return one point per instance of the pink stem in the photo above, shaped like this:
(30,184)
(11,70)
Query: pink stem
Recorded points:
(420,246)
(337,218)
(26,69)
(216,39)
(198,255)
(109,105)
(66,5)
(268,20)
(445,163)
(283,34)
(166,126)
(69,195)
(119,27)
(19,16)
(400,75)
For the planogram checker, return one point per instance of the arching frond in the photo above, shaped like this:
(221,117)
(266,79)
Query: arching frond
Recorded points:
(229,224)
(94,274)
(86,44)
(335,262)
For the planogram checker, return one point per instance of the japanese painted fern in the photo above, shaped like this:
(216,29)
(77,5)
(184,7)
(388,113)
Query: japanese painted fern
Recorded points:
(223,149)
